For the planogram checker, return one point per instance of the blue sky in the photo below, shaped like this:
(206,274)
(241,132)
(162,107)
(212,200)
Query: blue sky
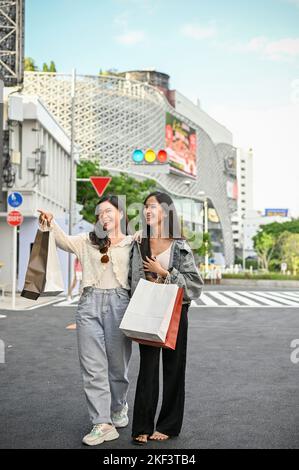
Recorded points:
(240,58)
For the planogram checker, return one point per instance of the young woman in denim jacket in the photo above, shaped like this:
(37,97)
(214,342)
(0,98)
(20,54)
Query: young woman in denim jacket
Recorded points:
(165,253)
(104,351)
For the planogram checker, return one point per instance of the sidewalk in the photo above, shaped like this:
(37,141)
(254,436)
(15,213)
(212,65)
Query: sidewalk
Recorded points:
(26,304)
(270,284)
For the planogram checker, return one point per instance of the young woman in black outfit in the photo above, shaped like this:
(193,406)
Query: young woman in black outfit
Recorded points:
(165,253)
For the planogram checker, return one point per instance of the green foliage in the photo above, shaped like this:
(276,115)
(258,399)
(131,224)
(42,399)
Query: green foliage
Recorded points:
(30,66)
(273,245)
(288,244)
(52,67)
(277,228)
(200,243)
(109,72)
(251,263)
(264,244)
(261,276)
(123,184)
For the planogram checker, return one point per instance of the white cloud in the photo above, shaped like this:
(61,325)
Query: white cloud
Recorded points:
(286,47)
(280,49)
(127,36)
(196,31)
(130,38)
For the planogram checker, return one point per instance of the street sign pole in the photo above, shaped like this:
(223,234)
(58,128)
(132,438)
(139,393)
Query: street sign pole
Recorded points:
(14,218)
(14,268)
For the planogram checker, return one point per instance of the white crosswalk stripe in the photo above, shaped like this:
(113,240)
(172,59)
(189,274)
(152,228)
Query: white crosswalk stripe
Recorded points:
(68,303)
(276,297)
(230,298)
(208,301)
(262,299)
(295,295)
(220,296)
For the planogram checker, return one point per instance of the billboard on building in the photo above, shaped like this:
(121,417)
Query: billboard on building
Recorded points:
(232,189)
(181,146)
(276,212)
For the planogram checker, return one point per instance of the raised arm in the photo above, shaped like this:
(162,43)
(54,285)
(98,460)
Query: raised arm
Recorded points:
(70,243)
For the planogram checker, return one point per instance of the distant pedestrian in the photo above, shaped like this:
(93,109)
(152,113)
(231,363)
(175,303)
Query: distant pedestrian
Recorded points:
(77,277)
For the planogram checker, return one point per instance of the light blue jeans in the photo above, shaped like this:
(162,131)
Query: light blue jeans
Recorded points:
(104,351)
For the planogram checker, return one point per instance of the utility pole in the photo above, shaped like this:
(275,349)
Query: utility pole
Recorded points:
(206,231)
(1,145)
(72,159)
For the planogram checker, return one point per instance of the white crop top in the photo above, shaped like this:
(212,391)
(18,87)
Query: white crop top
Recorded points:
(164,257)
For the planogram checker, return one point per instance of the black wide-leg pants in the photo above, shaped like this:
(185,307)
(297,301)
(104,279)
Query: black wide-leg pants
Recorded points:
(147,392)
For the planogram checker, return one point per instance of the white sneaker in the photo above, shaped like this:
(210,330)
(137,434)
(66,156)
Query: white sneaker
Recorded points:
(99,434)
(120,419)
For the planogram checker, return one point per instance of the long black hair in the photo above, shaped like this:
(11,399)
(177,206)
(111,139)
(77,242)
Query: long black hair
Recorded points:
(171,224)
(120,206)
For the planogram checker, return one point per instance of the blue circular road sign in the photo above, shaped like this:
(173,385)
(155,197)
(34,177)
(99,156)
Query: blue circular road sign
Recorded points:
(15,199)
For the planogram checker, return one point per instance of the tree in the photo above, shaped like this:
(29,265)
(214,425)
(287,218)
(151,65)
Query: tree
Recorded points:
(276,229)
(123,184)
(109,72)
(288,244)
(52,67)
(205,246)
(264,244)
(29,65)
(49,68)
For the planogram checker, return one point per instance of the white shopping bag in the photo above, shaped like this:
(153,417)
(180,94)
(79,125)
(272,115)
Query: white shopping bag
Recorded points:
(149,312)
(54,281)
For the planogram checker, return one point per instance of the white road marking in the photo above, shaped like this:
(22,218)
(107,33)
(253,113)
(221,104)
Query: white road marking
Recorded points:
(276,296)
(219,295)
(267,299)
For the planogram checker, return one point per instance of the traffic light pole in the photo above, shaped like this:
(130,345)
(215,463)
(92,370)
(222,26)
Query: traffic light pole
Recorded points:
(72,176)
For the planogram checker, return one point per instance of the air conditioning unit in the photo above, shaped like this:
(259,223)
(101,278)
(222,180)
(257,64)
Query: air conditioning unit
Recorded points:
(31,164)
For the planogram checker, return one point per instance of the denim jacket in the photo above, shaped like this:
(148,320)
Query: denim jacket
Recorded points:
(182,269)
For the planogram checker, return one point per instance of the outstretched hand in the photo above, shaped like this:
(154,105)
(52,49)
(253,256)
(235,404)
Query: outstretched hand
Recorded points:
(45,217)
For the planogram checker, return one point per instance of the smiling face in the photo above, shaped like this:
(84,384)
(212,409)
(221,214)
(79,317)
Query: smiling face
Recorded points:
(110,217)
(153,212)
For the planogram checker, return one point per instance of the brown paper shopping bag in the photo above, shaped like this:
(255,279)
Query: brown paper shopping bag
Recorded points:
(43,274)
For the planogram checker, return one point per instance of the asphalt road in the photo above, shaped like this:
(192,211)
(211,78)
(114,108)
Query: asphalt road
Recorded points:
(242,390)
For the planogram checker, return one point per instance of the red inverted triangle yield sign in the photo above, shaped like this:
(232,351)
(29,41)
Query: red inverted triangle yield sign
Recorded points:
(100,183)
